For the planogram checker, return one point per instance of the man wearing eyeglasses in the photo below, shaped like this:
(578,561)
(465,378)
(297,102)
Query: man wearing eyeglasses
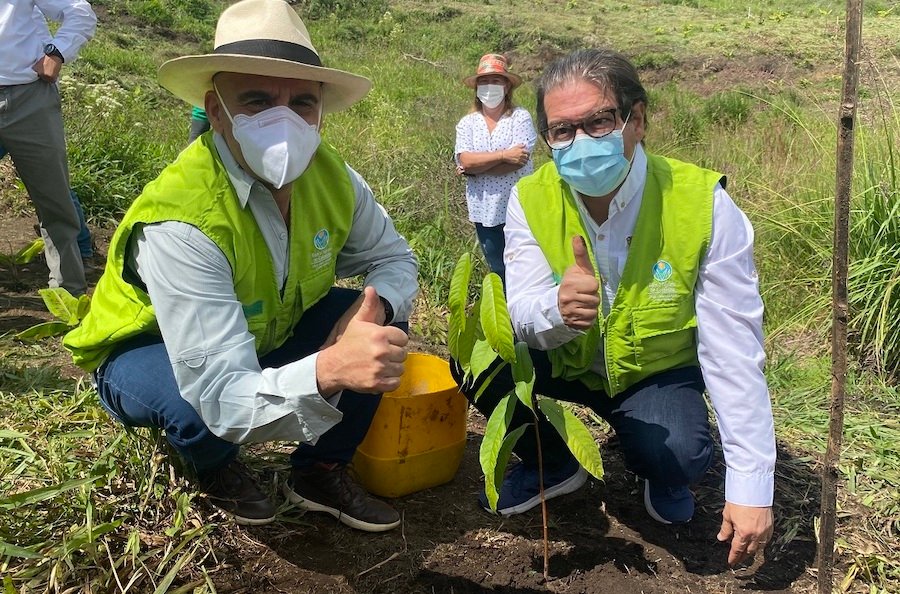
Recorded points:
(631,278)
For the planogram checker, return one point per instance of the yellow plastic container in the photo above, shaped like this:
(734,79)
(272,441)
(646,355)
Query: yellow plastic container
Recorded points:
(418,435)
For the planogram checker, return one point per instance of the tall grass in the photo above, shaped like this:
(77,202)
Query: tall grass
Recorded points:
(74,492)
(802,222)
(117,142)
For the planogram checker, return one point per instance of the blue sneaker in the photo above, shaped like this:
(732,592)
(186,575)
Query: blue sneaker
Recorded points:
(668,505)
(521,488)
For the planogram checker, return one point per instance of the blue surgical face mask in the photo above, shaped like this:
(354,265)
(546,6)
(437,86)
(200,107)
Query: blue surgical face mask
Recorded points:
(594,166)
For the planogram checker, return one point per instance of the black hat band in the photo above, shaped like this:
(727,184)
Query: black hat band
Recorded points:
(271,48)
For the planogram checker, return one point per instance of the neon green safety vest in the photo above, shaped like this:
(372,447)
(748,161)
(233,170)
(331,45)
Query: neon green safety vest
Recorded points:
(651,326)
(195,189)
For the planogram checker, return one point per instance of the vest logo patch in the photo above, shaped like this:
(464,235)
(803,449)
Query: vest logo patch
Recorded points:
(664,288)
(662,271)
(321,259)
(254,309)
(321,239)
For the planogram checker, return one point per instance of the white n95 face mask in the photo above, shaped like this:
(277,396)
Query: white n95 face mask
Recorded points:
(277,144)
(490,95)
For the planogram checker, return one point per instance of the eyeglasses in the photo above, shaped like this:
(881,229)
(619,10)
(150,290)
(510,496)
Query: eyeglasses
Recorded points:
(596,125)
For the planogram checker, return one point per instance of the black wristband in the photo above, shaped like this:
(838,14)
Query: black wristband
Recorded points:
(388,310)
(52,50)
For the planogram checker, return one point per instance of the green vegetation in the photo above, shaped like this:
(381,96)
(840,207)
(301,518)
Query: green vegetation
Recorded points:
(749,89)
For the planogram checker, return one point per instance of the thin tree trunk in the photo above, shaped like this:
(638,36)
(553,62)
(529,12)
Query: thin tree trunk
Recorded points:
(840,308)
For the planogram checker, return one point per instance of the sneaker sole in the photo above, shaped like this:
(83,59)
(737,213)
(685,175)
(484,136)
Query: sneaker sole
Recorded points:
(570,485)
(343,518)
(241,520)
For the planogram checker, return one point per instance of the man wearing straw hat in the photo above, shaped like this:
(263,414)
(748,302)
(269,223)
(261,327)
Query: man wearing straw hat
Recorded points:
(216,319)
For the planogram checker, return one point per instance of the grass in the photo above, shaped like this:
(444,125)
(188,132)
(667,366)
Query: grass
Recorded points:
(749,89)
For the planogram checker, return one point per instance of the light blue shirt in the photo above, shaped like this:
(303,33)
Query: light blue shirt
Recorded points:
(213,354)
(23,33)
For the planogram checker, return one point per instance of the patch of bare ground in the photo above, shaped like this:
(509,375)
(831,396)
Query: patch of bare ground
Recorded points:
(601,540)
(711,74)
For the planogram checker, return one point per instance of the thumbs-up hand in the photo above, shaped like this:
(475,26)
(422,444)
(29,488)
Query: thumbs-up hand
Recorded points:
(363,355)
(579,291)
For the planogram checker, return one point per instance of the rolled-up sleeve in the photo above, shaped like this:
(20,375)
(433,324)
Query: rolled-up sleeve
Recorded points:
(78,24)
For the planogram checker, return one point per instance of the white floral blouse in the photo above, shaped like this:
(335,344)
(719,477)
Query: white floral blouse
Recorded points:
(487,195)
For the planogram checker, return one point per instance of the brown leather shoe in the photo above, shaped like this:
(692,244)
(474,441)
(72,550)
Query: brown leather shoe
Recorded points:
(333,489)
(234,490)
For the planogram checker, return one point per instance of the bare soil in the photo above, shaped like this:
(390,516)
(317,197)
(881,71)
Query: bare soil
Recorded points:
(600,538)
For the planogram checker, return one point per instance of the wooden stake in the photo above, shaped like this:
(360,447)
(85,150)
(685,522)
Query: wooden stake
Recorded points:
(840,308)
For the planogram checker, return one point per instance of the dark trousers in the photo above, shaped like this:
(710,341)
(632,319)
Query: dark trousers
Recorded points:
(662,422)
(137,386)
(31,129)
(492,243)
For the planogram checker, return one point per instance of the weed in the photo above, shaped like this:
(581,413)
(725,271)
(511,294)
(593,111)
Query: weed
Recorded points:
(728,109)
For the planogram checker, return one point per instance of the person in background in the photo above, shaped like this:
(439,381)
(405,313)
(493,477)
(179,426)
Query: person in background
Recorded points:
(217,319)
(31,124)
(631,278)
(493,150)
(199,123)
(85,242)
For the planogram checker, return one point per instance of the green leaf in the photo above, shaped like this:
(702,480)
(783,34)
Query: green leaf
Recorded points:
(29,252)
(11,434)
(482,357)
(459,284)
(44,493)
(11,550)
(468,337)
(495,318)
(496,447)
(84,306)
(82,537)
(167,580)
(523,375)
(487,381)
(61,304)
(43,330)
(459,291)
(576,435)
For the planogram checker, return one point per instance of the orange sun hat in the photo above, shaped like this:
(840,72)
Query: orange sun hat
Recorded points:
(492,64)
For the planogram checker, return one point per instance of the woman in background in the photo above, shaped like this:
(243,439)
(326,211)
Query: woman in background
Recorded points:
(493,150)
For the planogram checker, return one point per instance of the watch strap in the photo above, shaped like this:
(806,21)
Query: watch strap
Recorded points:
(52,50)
(388,310)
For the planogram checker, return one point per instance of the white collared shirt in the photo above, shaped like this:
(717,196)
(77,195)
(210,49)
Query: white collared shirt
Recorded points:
(24,32)
(729,319)
(213,354)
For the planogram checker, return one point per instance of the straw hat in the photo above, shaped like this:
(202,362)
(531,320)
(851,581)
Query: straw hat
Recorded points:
(263,37)
(492,64)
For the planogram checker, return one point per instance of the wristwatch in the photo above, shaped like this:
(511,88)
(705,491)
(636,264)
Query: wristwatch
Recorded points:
(52,50)
(388,310)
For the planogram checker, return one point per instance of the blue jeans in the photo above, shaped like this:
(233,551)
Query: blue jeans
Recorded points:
(137,387)
(84,236)
(662,422)
(492,243)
